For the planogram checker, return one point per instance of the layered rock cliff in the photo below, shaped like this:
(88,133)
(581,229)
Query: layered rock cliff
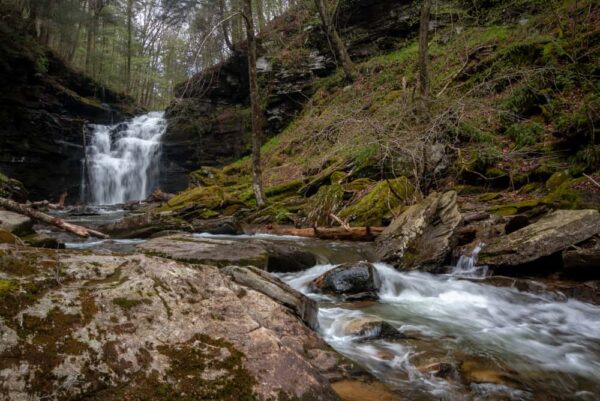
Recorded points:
(44,109)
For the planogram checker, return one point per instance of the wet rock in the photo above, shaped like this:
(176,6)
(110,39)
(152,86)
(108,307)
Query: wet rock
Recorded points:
(355,281)
(6,237)
(138,327)
(481,371)
(370,328)
(38,240)
(551,234)
(256,279)
(584,259)
(287,258)
(220,253)
(357,390)
(15,223)
(423,236)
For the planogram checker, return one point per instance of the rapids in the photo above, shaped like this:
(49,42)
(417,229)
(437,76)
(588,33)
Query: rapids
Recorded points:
(510,345)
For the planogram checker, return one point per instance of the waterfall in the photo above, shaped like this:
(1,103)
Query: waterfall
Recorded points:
(123,159)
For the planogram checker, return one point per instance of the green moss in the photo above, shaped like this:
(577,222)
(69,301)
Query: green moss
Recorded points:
(289,188)
(557,179)
(7,286)
(207,214)
(578,193)
(359,184)
(337,177)
(490,196)
(525,134)
(127,304)
(209,197)
(515,208)
(327,200)
(470,133)
(375,207)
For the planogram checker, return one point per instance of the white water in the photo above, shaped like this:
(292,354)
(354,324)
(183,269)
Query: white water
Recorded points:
(550,349)
(123,159)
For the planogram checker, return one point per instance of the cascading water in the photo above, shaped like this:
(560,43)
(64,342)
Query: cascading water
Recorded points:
(122,159)
(506,344)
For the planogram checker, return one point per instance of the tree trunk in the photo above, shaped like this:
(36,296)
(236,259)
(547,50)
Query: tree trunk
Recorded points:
(129,49)
(337,233)
(336,41)
(55,221)
(423,47)
(257,129)
(225,26)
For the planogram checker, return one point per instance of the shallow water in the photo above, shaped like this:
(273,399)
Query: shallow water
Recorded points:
(503,344)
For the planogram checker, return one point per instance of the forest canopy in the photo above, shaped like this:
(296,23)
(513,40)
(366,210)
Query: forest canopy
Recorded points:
(142,47)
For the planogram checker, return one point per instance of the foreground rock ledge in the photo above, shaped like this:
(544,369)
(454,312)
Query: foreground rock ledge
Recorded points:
(104,327)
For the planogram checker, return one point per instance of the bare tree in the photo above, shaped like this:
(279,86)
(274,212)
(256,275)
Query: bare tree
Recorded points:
(257,119)
(336,40)
(423,47)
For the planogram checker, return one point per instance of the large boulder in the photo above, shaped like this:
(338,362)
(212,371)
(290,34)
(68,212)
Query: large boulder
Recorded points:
(15,223)
(189,248)
(353,281)
(543,239)
(422,237)
(146,328)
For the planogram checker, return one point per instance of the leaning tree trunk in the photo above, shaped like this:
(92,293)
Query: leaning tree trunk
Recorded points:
(336,40)
(44,218)
(423,47)
(257,129)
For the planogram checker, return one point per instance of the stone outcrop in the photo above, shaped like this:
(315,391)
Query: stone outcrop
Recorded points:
(15,223)
(546,238)
(137,327)
(352,281)
(422,237)
(220,253)
(44,109)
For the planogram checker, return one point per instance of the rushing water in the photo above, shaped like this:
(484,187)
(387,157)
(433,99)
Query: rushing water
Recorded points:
(502,344)
(122,159)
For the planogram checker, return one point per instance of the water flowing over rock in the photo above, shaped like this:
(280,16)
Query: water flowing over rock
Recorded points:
(353,281)
(422,236)
(123,159)
(548,236)
(136,327)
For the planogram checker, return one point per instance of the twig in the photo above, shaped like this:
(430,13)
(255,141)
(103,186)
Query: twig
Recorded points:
(592,180)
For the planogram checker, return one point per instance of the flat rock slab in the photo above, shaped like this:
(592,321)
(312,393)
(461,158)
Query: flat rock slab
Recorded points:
(115,328)
(553,233)
(15,223)
(221,253)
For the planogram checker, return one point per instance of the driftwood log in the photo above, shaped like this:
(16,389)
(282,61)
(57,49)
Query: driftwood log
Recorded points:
(337,233)
(44,218)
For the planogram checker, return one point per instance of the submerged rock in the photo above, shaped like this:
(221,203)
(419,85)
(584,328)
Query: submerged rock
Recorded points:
(369,328)
(551,234)
(354,281)
(15,223)
(421,237)
(188,248)
(137,327)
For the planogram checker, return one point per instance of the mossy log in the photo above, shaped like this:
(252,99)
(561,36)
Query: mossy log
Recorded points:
(44,218)
(330,233)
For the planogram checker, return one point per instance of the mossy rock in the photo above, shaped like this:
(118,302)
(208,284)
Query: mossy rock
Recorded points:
(557,179)
(326,201)
(578,193)
(516,207)
(206,177)
(490,196)
(359,184)
(289,188)
(337,177)
(374,208)
(208,197)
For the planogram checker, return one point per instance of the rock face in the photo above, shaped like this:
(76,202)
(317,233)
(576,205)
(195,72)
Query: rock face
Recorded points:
(209,251)
(44,108)
(15,223)
(548,236)
(353,281)
(208,123)
(421,237)
(137,327)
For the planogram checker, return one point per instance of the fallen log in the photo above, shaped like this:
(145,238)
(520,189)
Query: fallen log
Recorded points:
(44,218)
(337,233)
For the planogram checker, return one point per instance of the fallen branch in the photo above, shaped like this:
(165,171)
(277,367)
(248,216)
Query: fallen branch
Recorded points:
(44,218)
(338,233)
(340,221)
(592,180)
